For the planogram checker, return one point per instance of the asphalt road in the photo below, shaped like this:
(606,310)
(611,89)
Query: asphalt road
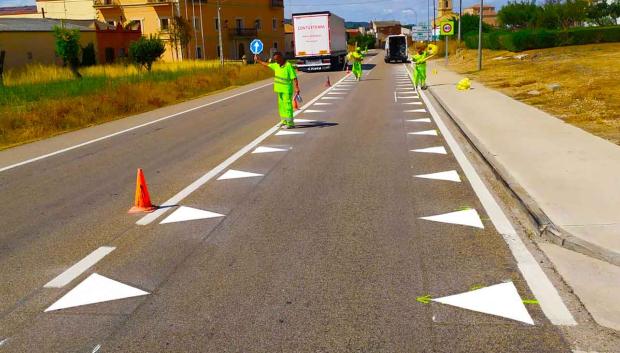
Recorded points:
(325,251)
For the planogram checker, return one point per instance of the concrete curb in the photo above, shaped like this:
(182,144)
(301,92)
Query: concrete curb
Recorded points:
(547,229)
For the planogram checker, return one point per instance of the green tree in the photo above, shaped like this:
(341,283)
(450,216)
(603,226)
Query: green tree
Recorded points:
(145,51)
(572,13)
(518,15)
(180,34)
(366,41)
(470,23)
(68,48)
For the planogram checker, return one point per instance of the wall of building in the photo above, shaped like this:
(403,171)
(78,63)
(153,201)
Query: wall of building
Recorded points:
(73,9)
(23,48)
(113,45)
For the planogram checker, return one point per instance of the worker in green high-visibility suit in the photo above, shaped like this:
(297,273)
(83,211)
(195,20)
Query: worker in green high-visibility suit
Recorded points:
(285,85)
(356,57)
(419,73)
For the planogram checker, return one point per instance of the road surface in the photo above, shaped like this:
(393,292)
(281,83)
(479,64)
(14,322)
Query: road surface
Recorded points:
(323,249)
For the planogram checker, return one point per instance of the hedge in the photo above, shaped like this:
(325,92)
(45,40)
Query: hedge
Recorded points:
(543,38)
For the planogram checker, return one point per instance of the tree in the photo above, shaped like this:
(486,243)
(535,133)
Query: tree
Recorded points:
(180,34)
(572,13)
(68,48)
(518,15)
(470,23)
(145,51)
(2,54)
(365,41)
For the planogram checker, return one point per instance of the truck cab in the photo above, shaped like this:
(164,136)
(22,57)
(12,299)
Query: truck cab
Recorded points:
(396,48)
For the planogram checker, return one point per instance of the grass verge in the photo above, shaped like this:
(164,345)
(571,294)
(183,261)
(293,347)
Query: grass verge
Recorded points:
(45,101)
(588,95)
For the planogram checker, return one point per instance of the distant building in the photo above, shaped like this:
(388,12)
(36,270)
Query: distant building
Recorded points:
(488,15)
(444,13)
(352,33)
(67,9)
(382,29)
(19,12)
(31,40)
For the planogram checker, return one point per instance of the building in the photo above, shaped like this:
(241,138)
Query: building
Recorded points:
(67,9)
(444,13)
(19,12)
(31,41)
(382,29)
(242,21)
(488,15)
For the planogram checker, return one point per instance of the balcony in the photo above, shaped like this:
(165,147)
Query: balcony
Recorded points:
(102,4)
(277,3)
(159,2)
(243,32)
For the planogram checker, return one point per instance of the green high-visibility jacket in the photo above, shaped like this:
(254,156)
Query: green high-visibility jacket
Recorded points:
(284,77)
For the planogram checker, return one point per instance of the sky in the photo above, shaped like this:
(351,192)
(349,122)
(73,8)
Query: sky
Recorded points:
(352,10)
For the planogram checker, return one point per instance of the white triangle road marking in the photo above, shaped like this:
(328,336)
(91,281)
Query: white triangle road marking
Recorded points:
(424,133)
(500,300)
(184,214)
(337,93)
(451,175)
(319,103)
(285,133)
(95,289)
(412,103)
(264,149)
(423,120)
(237,174)
(464,218)
(416,111)
(437,150)
(408,97)
(305,121)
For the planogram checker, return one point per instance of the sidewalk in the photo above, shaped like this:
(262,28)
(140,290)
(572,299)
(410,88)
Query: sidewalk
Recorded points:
(568,178)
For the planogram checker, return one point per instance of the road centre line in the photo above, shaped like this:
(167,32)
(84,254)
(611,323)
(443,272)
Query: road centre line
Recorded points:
(550,301)
(176,199)
(128,130)
(76,270)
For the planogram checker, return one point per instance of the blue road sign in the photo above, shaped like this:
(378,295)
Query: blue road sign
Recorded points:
(256,46)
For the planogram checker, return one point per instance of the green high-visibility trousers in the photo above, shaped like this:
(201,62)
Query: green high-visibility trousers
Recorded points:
(419,75)
(285,106)
(357,69)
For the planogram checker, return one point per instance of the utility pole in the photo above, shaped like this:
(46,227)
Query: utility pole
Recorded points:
(428,14)
(219,27)
(480,36)
(460,15)
(202,31)
(434,17)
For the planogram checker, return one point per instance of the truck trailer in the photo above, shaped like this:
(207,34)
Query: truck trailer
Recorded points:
(320,41)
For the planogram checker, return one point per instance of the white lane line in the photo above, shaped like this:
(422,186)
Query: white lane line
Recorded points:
(288,133)
(267,149)
(3,342)
(96,348)
(127,130)
(437,150)
(176,199)
(547,295)
(76,270)
(324,103)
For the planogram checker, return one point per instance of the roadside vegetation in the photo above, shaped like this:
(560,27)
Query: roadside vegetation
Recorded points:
(43,101)
(578,84)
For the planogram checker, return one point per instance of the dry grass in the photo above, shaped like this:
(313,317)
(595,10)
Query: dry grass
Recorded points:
(46,101)
(589,93)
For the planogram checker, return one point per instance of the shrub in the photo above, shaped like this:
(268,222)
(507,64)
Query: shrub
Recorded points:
(145,51)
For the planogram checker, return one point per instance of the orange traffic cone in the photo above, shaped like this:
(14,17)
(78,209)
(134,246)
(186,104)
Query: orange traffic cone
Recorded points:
(328,83)
(143,200)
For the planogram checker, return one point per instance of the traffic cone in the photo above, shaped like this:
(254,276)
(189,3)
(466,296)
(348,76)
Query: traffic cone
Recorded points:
(143,199)
(348,70)
(328,83)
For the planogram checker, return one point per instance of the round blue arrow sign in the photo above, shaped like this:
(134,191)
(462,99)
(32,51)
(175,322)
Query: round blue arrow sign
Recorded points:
(256,47)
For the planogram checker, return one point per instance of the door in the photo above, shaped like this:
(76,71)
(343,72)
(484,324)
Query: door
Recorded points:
(241,51)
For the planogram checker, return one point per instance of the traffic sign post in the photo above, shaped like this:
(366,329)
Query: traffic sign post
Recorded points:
(447,29)
(256,47)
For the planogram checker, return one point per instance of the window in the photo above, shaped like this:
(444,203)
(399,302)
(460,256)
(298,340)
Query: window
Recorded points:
(274,24)
(121,53)
(239,23)
(164,24)
(112,23)
(197,23)
(29,55)
(275,45)
(218,51)
(257,24)
(198,52)
(109,55)
(217,24)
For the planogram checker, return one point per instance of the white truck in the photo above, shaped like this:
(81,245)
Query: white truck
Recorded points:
(320,41)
